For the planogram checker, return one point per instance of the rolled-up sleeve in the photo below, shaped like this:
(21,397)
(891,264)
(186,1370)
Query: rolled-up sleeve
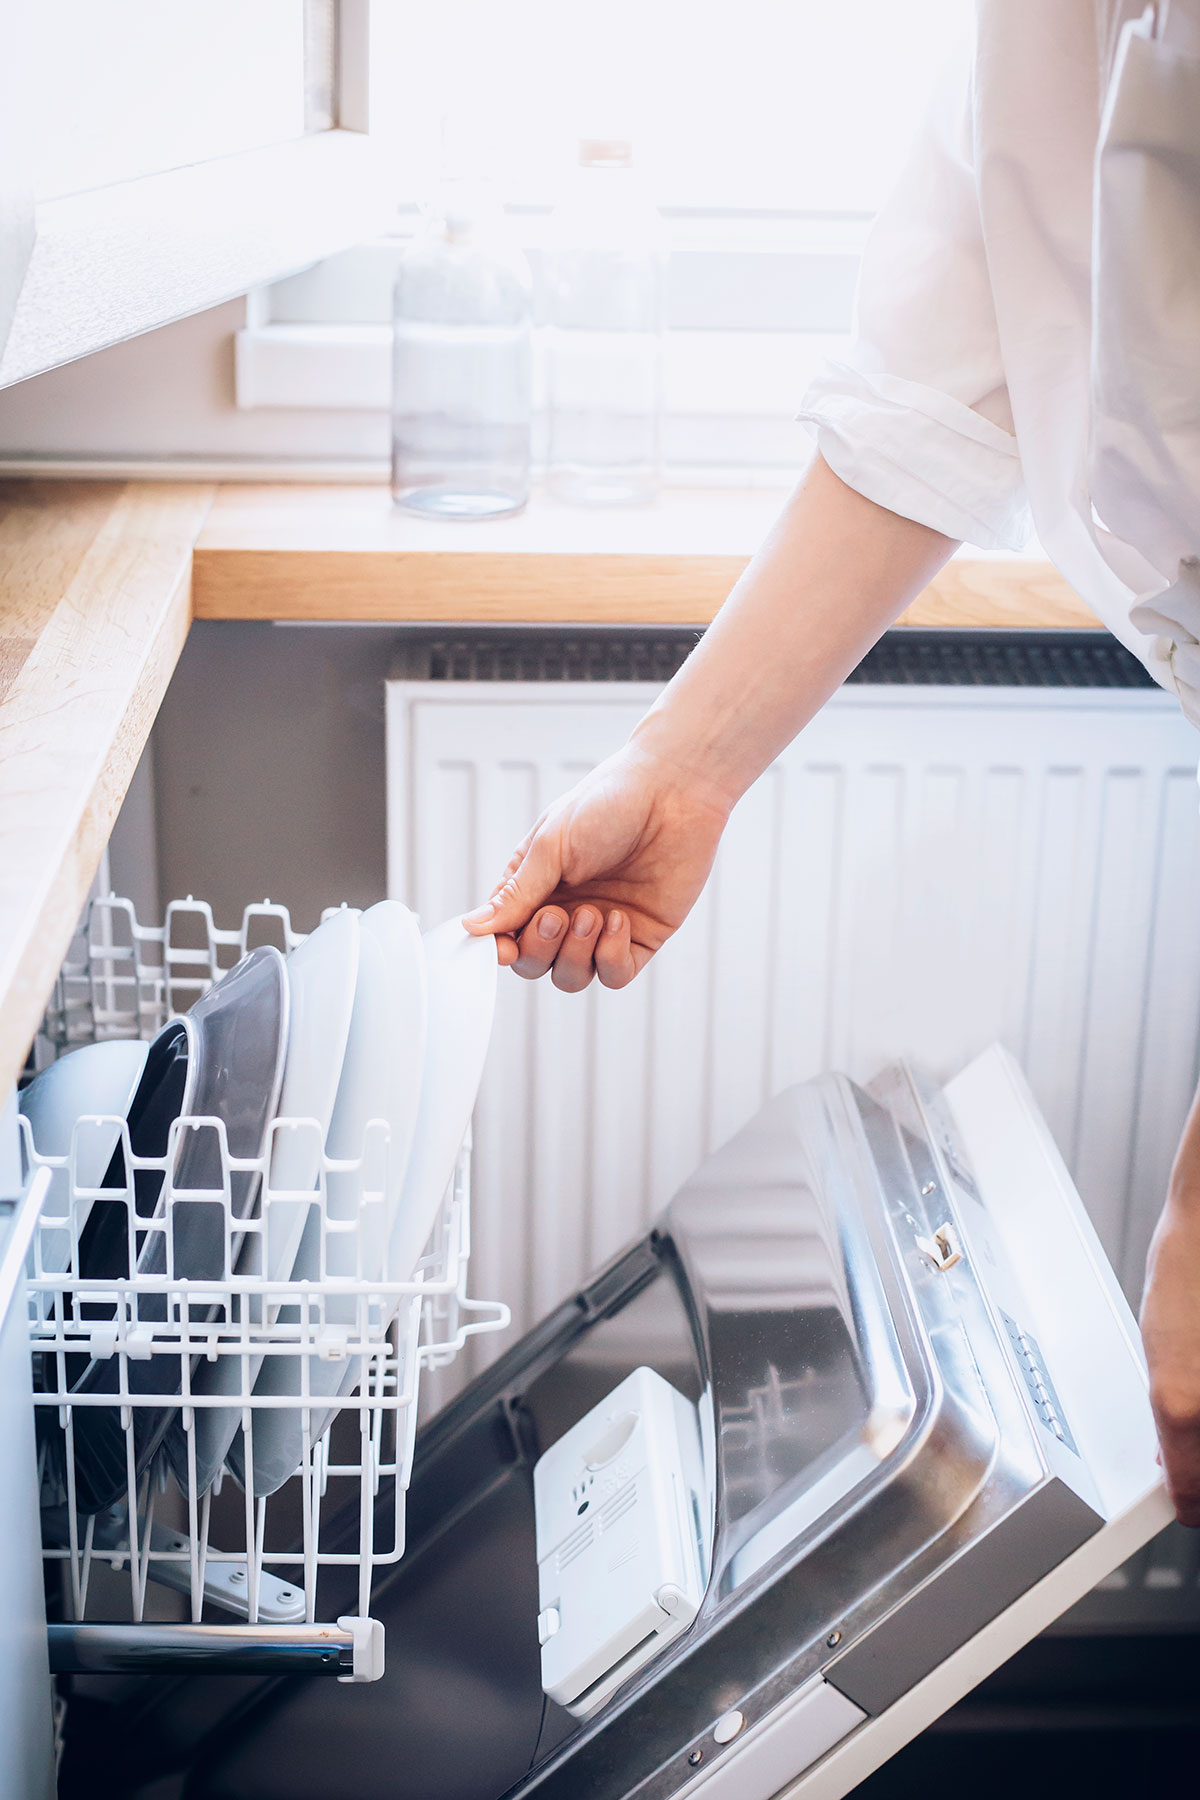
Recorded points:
(917,416)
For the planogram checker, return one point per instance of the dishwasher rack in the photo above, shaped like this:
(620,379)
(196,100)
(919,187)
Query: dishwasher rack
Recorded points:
(349,1348)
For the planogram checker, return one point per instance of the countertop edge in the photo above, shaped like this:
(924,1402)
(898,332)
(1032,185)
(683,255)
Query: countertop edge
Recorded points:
(92,622)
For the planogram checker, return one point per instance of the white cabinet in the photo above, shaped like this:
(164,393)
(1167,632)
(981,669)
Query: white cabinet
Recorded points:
(16,181)
(181,155)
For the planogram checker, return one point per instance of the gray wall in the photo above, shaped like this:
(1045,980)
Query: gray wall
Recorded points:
(268,770)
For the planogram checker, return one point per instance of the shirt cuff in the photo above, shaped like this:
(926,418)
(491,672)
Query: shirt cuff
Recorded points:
(1170,621)
(919,453)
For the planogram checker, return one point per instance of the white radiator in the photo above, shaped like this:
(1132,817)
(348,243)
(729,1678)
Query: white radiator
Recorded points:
(923,871)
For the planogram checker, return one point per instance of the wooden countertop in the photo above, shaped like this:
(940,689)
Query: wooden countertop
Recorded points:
(95,599)
(345,553)
(99,581)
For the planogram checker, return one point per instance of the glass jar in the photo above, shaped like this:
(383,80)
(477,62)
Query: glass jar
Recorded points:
(605,316)
(462,392)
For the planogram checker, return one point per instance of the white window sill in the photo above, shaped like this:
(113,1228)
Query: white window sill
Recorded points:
(741,273)
(730,397)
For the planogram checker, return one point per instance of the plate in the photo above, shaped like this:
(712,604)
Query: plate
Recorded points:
(399,936)
(166,1088)
(239,1029)
(462,1003)
(163,1092)
(406,974)
(93,1087)
(364,1094)
(321,975)
(243,1025)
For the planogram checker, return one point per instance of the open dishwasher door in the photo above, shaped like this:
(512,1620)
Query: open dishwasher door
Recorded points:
(863,1415)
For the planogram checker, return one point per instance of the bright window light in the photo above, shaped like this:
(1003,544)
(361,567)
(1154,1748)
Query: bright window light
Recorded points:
(739,105)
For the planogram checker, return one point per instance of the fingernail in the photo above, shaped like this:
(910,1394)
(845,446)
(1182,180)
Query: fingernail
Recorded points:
(614,923)
(549,925)
(585,923)
(481,914)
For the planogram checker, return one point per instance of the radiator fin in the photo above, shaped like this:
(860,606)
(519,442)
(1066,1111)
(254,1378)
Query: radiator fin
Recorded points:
(907,656)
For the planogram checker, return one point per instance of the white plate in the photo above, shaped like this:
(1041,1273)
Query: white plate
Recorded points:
(462,1002)
(399,937)
(95,1083)
(364,1092)
(377,1083)
(321,975)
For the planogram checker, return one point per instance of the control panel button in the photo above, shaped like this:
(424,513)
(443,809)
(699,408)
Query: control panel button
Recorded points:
(609,1445)
(549,1620)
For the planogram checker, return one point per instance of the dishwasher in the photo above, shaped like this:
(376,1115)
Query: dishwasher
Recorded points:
(860,1415)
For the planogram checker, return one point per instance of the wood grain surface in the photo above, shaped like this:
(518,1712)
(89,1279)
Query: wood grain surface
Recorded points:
(95,583)
(346,553)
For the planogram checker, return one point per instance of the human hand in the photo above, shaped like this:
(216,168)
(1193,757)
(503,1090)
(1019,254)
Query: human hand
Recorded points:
(1171,1327)
(609,872)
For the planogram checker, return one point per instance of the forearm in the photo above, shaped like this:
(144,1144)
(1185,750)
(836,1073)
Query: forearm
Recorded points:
(1185,1176)
(834,573)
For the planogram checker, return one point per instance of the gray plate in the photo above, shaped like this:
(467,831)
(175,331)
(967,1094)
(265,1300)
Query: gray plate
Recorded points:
(240,1029)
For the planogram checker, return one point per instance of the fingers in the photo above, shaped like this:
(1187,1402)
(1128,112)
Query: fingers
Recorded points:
(539,943)
(615,962)
(574,947)
(564,945)
(533,873)
(1178,1420)
(573,966)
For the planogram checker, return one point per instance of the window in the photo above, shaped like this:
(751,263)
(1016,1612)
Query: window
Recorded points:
(770,130)
(784,106)
(150,87)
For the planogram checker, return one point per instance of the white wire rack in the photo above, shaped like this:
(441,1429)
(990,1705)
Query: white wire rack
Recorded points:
(123,979)
(231,1438)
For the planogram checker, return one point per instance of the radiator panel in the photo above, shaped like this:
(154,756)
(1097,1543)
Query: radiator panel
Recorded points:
(923,871)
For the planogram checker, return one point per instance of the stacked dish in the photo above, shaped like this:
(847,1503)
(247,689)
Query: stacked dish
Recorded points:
(302,1122)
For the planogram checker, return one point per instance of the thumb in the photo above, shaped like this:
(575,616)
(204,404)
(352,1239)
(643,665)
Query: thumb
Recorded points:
(532,876)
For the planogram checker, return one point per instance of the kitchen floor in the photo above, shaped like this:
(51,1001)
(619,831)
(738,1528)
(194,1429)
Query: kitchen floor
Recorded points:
(1112,1718)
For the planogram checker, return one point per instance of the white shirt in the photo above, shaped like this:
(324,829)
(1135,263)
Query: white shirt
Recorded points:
(1027,341)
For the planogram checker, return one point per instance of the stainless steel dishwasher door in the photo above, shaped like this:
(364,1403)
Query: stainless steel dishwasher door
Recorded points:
(926,1432)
